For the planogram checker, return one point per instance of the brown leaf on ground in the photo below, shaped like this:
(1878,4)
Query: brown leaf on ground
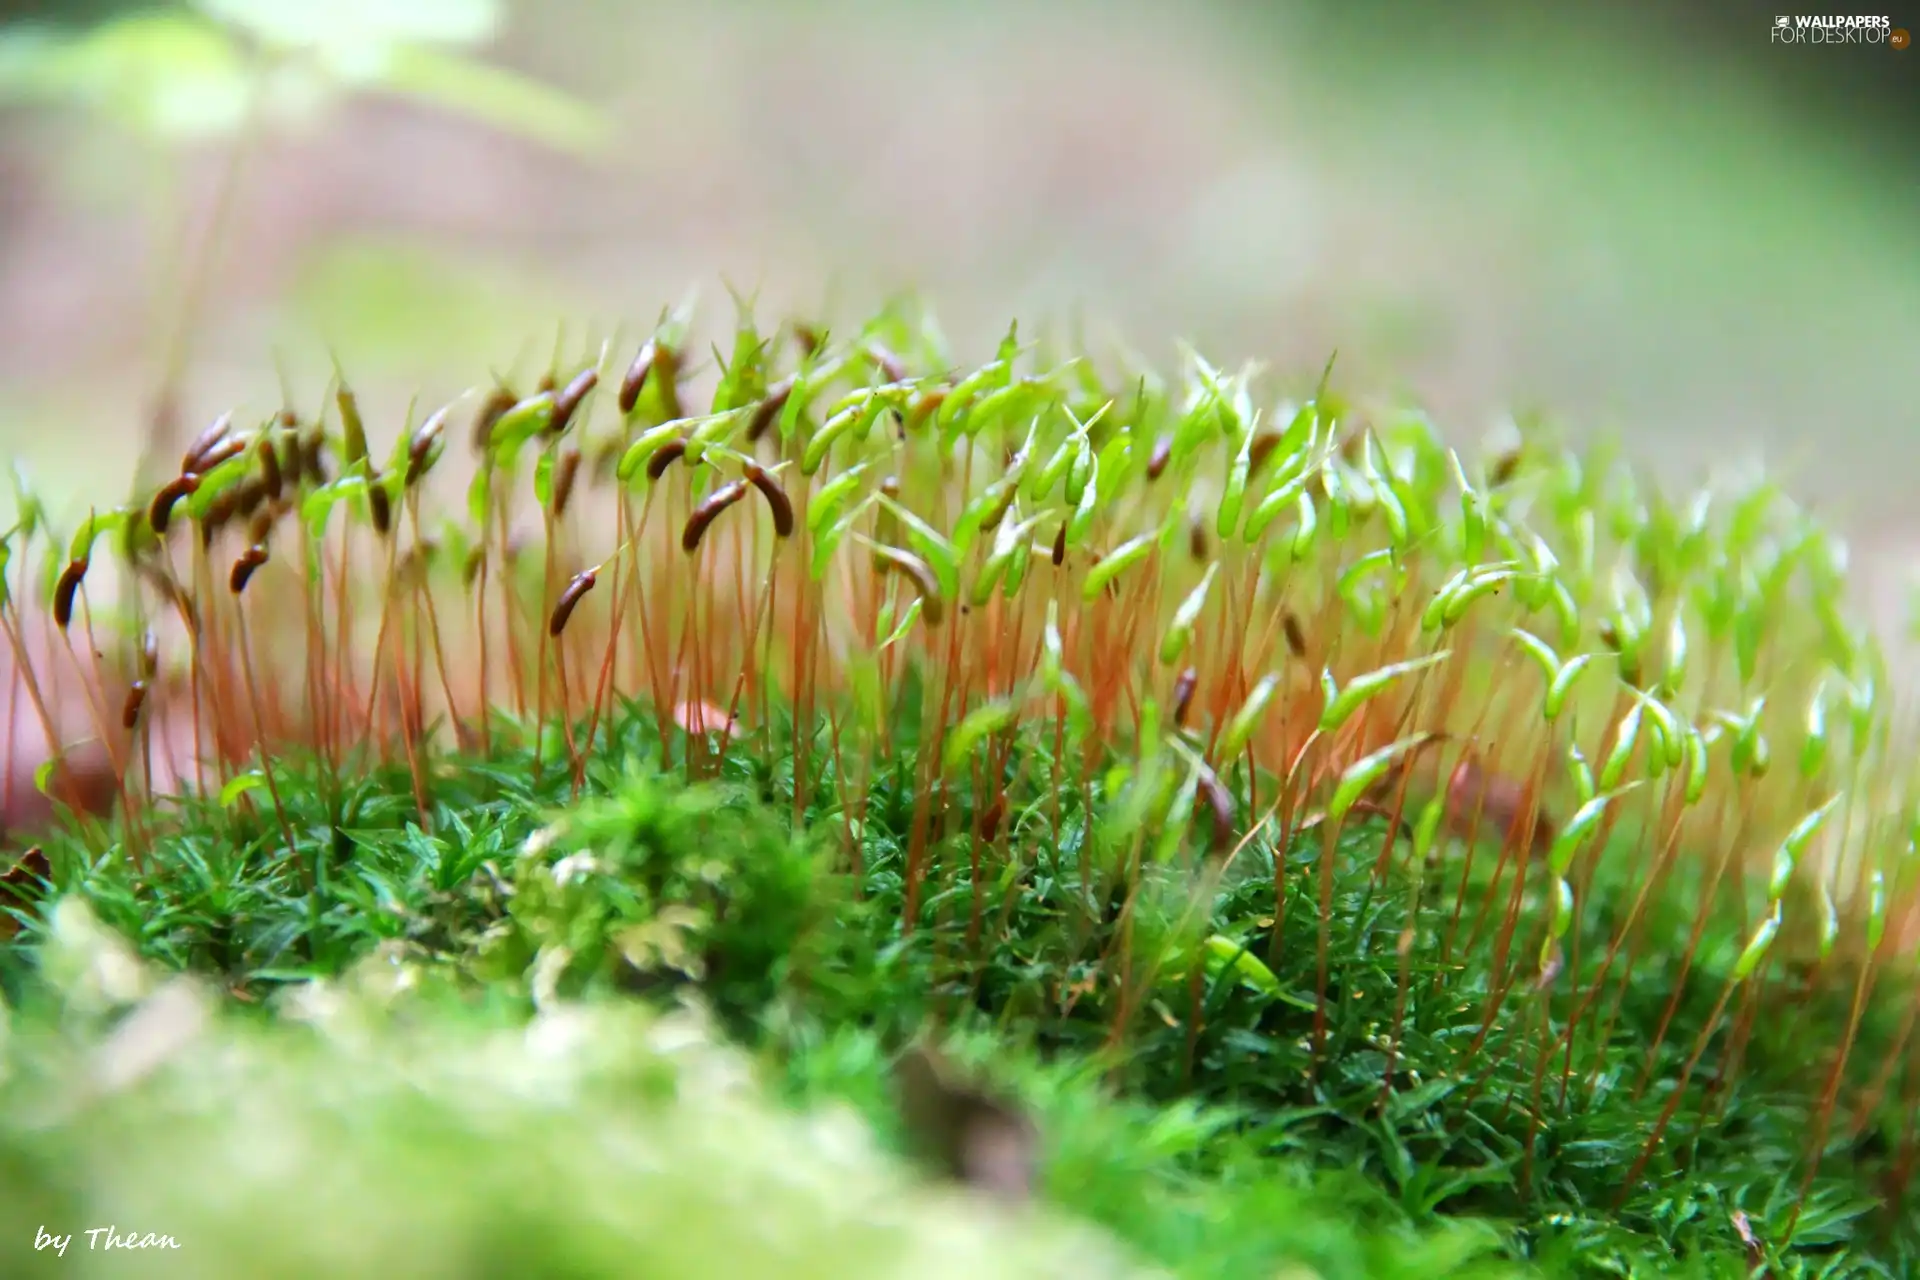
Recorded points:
(20,884)
(974,1137)
(1494,803)
(84,779)
(701,716)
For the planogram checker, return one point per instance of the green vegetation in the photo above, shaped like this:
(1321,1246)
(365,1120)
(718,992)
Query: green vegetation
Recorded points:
(1352,855)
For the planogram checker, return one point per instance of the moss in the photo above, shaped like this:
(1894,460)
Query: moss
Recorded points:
(1455,855)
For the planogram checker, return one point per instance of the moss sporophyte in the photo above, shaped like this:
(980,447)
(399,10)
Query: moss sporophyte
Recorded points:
(1536,841)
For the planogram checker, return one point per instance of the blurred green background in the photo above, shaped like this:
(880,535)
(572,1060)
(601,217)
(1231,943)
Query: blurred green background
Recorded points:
(1648,220)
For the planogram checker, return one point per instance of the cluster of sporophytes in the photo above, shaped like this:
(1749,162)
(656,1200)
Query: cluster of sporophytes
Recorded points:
(1499,826)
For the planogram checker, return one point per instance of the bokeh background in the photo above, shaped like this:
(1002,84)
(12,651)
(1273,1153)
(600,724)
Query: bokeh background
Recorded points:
(1646,220)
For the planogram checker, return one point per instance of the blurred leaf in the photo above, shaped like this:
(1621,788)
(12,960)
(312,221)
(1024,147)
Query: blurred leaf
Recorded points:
(21,49)
(164,75)
(509,102)
(357,27)
(398,47)
(182,77)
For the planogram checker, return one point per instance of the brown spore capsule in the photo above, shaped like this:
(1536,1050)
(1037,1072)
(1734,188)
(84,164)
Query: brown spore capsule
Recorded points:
(250,559)
(570,597)
(218,513)
(130,709)
(565,473)
(778,503)
(420,447)
(1060,547)
(221,451)
(160,512)
(1158,459)
(261,526)
(1197,545)
(313,452)
(412,569)
(635,381)
(888,362)
(492,409)
(708,511)
(1220,806)
(293,465)
(1260,448)
(204,442)
(933,609)
(64,590)
(270,477)
(248,495)
(1296,638)
(568,401)
(989,824)
(998,512)
(669,453)
(769,408)
(1504,468)
(659,364)
(925,405)
(380,507)
(1183,687)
